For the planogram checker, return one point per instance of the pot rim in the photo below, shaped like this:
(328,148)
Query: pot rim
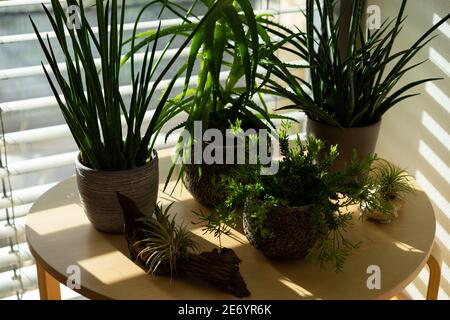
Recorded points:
(81,166)
(303,208)
(377,123)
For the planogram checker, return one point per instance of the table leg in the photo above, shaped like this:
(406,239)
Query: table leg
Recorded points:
(435,278)
(48,286)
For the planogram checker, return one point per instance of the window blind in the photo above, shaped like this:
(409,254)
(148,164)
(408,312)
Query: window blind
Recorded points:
(36,147)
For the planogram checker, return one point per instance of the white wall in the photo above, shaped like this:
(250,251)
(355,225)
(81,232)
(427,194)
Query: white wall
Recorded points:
(416,133)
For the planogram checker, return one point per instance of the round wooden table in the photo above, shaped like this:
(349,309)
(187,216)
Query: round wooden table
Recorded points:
(62,240)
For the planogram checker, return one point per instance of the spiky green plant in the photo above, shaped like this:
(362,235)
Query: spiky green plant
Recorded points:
(92,103)
(164,242)
(349,87)
(304,178)
(391,181)
(226,51)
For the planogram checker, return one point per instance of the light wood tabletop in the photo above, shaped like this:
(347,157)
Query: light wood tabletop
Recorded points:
(60,236)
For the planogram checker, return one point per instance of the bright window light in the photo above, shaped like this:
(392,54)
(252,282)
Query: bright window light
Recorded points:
(435,161)
(438,95)
(436,130)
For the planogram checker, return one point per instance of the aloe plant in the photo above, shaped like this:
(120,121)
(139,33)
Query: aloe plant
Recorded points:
(107,132)
(348,87)
(226,50)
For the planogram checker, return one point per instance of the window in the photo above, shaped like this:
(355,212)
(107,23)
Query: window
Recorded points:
(36,148)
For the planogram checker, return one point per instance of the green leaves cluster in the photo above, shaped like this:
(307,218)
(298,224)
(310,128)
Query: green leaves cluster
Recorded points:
(349,86)
(164,242)
(225,51)
(390,183)
(304,179)
(91,102)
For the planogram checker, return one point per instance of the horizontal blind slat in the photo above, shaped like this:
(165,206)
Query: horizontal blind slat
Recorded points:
(50,101)
(12,259)
(36,70)
(19,211)
(9,284)
(25,195)
(129,26)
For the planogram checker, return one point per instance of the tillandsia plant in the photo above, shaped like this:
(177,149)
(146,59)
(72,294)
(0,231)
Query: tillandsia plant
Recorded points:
(163,242)
(226,51)
(107,132)
(391,186)
(162,247)
(304,179)
(350,86)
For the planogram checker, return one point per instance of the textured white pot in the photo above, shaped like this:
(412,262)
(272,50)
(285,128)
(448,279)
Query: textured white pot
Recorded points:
(98,192)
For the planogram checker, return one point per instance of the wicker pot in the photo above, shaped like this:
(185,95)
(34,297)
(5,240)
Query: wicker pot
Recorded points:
(293,232)
(98,193)
(202,180)
(361,139)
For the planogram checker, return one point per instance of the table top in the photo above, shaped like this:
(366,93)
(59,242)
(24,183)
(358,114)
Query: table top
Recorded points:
(60,235)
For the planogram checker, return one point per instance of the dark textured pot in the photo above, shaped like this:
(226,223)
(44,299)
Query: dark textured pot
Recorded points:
(361,139)
(293,232)
(202,180)
(98,193)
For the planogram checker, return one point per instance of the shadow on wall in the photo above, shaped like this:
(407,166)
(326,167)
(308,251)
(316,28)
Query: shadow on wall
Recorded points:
(416,134)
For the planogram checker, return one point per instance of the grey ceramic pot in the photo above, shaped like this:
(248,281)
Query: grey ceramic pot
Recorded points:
(293,232)
(361,139)
(98,193)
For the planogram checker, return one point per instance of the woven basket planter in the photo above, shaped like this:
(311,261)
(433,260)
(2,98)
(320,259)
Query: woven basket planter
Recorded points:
(292,229)
(98,193)
(202,180)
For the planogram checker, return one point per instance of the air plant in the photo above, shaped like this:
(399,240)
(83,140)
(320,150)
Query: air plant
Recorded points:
(162,247)
(392,181)
(391,185)
(164,242)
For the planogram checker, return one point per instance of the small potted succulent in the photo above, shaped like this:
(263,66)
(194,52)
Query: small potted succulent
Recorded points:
(391,185)
(300,210)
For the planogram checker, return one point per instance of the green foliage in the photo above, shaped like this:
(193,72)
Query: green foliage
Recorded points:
(390,182)
(225,50)
(164,241)
(304,178)
(93,106)
(349,87)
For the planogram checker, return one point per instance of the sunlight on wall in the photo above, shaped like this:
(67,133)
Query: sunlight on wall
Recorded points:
(439,61)
(416,133)
(445,28)
(438,95)
(436,130)
(439,200)
(435,161)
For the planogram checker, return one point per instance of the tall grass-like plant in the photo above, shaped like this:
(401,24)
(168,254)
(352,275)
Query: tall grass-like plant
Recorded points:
(92,102)
(352,86)
(226,52)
